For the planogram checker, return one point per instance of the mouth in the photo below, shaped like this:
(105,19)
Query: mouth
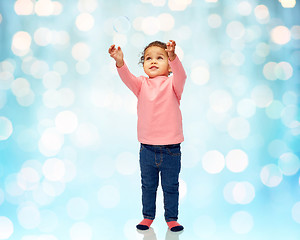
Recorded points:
(153,67)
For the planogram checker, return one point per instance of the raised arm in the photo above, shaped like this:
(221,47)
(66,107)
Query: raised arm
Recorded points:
(179,75)
(132,82)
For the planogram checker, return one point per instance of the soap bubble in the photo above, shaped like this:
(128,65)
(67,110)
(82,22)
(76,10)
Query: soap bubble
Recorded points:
(121,24)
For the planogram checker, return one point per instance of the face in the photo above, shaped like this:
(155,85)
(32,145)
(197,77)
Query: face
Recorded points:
(156,62)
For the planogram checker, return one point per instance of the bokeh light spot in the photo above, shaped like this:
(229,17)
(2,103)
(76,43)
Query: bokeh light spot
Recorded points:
(6,128)
(262,95)
(80,51)
(289,163)
(200,75)
(243,192)
(220,101)
(66,122)
(236,160)
(214,20)
(81,230)
(238,128)
(280,35)
(85,22)
(54,169)
(271,175)
(21,43)
(29,216)
(241,222)
(6,227)
(213,162)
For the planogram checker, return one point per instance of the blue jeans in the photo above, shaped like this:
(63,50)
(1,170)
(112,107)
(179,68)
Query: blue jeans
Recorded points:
(166,160)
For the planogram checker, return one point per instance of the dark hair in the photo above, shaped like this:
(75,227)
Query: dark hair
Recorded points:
(156,44)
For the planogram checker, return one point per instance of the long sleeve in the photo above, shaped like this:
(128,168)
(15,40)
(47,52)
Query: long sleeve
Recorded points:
(132,82)
(179,76)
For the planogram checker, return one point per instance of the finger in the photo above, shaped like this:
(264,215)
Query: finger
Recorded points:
(111,48)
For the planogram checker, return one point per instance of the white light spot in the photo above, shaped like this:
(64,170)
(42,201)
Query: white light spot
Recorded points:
(283,71)
(126,163)
(28,178)
(271,175)
(289,163)
(236,160)
(220,101)
(29,216)
(244,8)
(214,20)
(6,128)
(51,80)
(166,21)
(54,169)
(262,95)
(81,230)
(213,162)
(77,208)
(23,7)
(243,192)
(150,25)
(108,196)
(81,51)
(262,14)
(269,70)
(200,75)
(241,222)
(43,36)
(85,22)
(6,227)
(238,128)
(280,35)
(44,7)
(51,142)
(235,30)
(20,87)
(21,43)
(179,5)
(66,122)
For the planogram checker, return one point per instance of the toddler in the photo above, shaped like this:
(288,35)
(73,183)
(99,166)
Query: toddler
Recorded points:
(159,126)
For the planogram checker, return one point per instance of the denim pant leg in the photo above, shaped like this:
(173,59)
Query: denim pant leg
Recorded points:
(150,180)
(170,170)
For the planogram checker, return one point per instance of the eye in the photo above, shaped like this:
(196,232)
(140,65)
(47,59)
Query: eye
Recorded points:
(148,58)
(160,57)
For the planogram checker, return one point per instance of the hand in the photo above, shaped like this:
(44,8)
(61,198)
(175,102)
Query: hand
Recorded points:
(117,54)
(171,50)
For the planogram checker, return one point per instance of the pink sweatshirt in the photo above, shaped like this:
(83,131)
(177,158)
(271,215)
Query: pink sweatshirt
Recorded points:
(159,115)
